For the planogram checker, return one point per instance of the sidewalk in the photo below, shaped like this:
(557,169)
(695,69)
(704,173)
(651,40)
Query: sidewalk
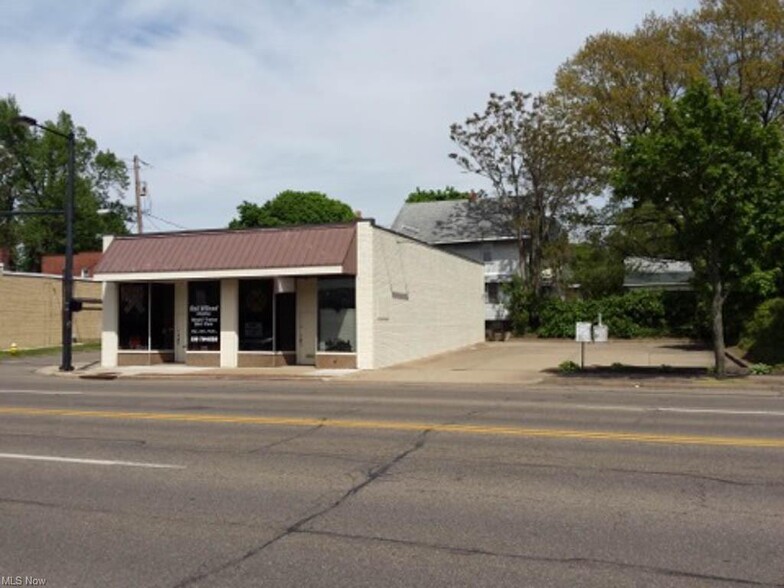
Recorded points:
(94,371)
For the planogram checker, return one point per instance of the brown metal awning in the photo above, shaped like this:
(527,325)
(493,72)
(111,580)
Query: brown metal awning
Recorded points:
(225,253)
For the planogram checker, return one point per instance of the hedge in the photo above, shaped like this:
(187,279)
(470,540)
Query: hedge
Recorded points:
(763,334)
(643,313)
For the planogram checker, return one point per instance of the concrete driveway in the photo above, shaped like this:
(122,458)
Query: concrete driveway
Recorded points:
(525,360)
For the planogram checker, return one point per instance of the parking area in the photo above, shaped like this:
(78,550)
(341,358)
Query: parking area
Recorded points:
(527,360)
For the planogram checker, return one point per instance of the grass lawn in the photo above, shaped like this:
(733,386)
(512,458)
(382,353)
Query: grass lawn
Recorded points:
(90,346)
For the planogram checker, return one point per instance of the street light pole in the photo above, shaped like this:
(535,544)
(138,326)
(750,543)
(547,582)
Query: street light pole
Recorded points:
(66,364)
(68,281)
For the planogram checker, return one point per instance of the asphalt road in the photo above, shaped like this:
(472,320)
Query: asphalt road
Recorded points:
(265,483)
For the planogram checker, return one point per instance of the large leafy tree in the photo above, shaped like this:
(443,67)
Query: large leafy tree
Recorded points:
(539,163)
(716,174)
(291,207)
(741,44)
(616,82)
(33,176)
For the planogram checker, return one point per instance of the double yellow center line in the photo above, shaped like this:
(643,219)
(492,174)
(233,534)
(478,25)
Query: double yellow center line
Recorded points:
(501,431)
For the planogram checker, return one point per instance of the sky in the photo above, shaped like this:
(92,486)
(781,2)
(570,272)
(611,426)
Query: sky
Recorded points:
(232,100)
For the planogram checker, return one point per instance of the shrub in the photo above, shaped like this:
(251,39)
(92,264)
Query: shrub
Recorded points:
(568,367)
(763,335)
(523,306)
(681,313)
(761,369)
(635,314)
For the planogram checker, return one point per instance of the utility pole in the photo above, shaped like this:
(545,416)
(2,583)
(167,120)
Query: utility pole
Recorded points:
(138,188)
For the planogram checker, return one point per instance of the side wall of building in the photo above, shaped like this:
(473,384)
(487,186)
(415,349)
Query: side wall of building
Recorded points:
(421,302)
(31,311)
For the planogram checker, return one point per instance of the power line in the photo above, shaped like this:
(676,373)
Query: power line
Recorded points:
(163,220)
(155,225)
(187,177)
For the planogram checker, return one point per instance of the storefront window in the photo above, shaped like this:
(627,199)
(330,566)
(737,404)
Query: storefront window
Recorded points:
(255,307)
(337,315)
(285,321)
(146,317)
(162,316)
(204,316)
(133,328)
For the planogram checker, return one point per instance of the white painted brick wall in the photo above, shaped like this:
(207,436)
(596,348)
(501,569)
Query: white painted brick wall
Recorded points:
(424,301)
(365,299)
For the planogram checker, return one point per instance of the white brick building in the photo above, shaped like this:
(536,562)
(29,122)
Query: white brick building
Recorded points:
(350,296)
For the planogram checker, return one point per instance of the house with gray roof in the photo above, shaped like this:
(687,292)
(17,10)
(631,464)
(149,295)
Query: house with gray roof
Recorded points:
(476,229)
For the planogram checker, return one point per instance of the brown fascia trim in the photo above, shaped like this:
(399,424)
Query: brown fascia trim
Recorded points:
(428,245)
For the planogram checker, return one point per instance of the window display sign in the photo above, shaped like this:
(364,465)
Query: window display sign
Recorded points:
(204,316)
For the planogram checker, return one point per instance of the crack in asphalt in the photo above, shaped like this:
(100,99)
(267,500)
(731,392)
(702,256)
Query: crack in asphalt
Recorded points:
(303,433)
(371,476)
(540,559)
(299,435)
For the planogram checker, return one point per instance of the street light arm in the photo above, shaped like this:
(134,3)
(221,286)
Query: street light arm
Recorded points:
(25,120)
(31,122)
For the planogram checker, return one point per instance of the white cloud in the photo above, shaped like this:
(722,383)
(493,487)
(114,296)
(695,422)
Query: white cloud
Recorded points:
(240,100)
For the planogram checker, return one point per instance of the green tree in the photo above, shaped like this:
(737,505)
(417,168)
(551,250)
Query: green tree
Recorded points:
(716,174)
(540,164)
(741,43)
(33,175)
(292,208)
(448,193)
(597,268)
(617,82)
(617,232)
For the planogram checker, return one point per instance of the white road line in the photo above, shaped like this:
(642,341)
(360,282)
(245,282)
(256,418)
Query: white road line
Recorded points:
(725,411)
(42,392)
(104,462)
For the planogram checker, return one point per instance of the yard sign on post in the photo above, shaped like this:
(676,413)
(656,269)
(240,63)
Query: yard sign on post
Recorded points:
(582,334)
(589,333)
